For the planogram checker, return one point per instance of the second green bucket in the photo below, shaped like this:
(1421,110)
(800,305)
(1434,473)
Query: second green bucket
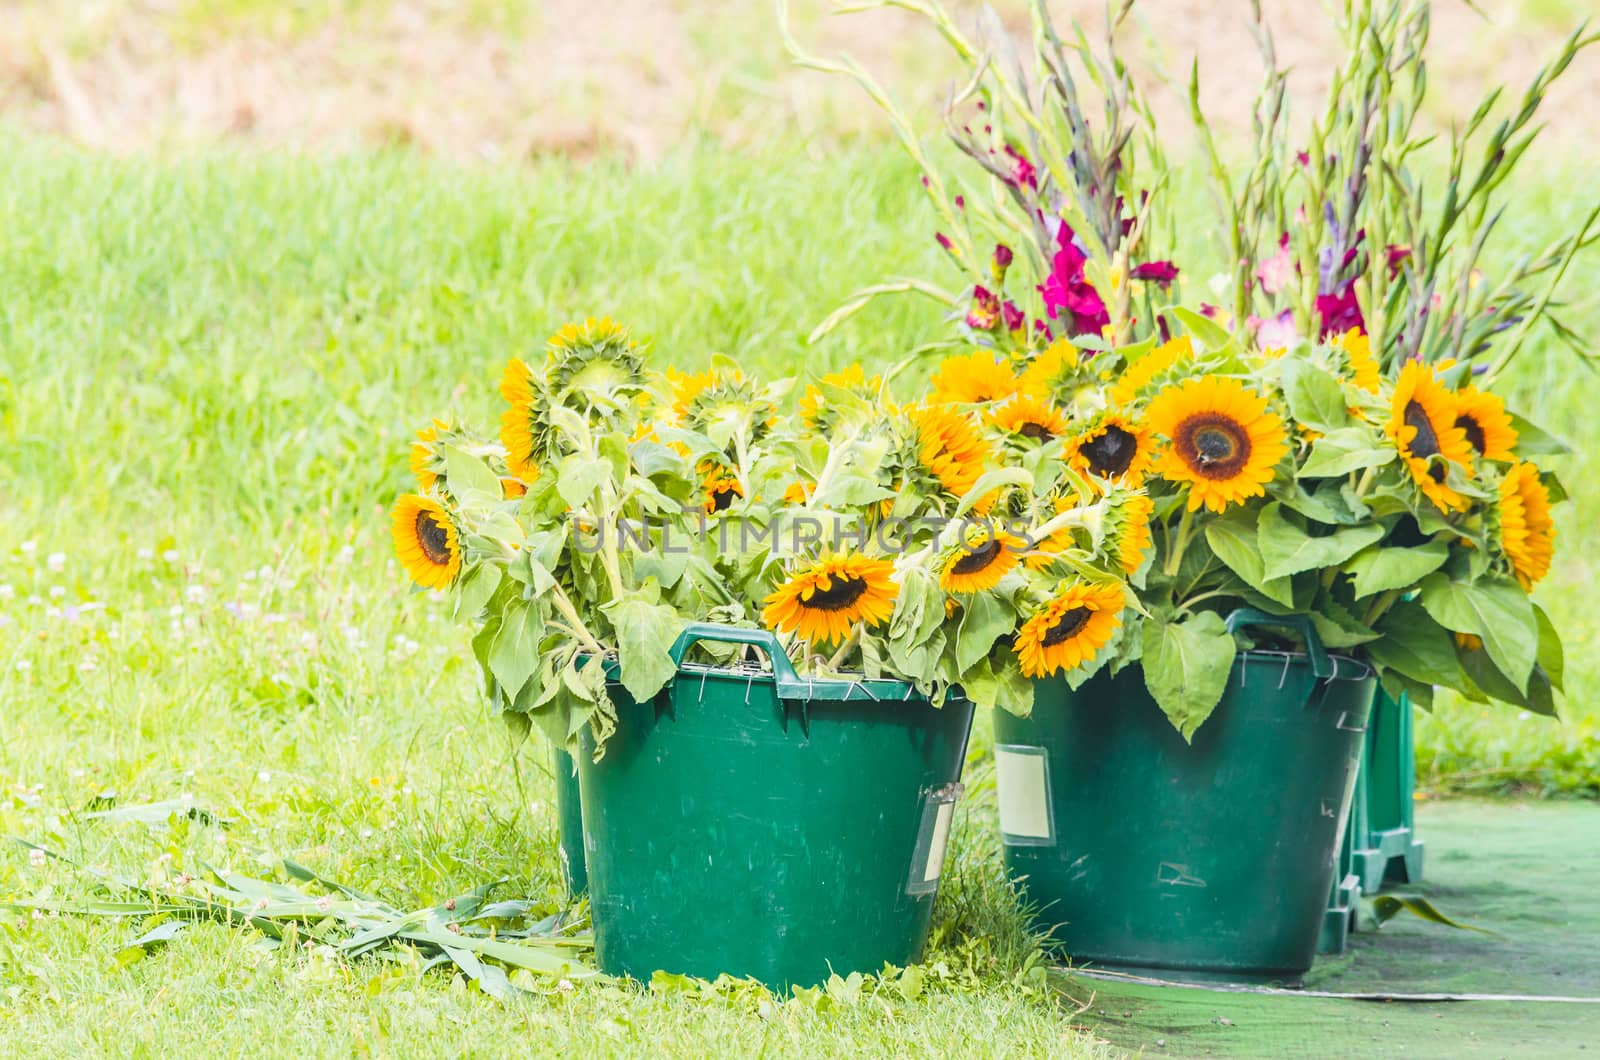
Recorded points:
(757,823)
(1210,859)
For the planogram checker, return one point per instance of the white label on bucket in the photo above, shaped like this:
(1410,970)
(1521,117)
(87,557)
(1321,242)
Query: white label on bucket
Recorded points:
(941,836)
(1023,785)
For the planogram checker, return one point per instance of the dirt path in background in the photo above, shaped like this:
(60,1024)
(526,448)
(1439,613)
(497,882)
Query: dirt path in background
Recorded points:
(579,77)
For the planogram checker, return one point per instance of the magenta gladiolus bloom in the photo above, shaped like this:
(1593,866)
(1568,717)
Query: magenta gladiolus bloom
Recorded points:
(1015,319)
(985,311)
(1162,272)
(1066,289)
(1022,172)
(1340,312)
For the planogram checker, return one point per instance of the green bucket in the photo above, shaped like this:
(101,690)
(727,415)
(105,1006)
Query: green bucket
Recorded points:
(1386,848)
(569,818)
(757,823)
(1210,860)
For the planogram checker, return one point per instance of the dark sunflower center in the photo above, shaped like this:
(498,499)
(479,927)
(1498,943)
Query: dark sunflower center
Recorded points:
(434,539)
(1425,442)
(840,595)
(1036,431)
(721,498)
(1215,446)
(1474,431)
(1112,452)
(977,559)
(1066,627)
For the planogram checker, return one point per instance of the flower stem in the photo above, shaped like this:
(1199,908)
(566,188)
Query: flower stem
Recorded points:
(1177,548)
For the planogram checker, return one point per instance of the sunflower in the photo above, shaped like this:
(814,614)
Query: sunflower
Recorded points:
(1115,447)
(1363,365)
(819,412)
(1128,538)
(720,488)
(706,399)
(975,378)
(524,428)
(948,447)
(512,488)
(1054,370)
(823,600)
(979,562)
(1422,423)
(1487,425)
(1030,417)
(797,492)
(595,366)
(1527,533)
(425,539)
(425,462)
(1138,376)
(1225,444)
(1070,629)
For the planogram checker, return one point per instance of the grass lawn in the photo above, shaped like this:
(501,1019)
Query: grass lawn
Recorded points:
(210,368)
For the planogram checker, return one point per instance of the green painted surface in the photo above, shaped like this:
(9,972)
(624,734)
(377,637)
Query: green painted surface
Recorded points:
(1527,872)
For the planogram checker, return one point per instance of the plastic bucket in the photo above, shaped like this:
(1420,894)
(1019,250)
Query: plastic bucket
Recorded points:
(762,824)
(569,818)
(1386,848)
(1212,859)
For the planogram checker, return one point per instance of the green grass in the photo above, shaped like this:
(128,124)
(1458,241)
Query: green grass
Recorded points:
(209,371)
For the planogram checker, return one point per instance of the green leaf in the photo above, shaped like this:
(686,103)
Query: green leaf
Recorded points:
(1378,569)
(1494,609)
(1552,658)
(985,618)
(1186,667)
(1386,906)
(1533,440)
(1338,628)
(515,654)
(1287,549)
(579,477)
(476,589)
(1413,644)
(1211,335)
(1343,451)
(1233,539)
(645,634)
(1482,672)
(467,474)
(991,481)
(1316,399)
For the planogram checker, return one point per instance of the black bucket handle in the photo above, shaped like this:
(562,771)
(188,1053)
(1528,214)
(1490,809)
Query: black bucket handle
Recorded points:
(1322,666)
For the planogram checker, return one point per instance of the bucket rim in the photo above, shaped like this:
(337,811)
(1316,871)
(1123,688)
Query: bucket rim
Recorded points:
(849,688)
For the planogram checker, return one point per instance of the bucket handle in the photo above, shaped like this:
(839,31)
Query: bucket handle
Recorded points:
(1321,665)
(782,670)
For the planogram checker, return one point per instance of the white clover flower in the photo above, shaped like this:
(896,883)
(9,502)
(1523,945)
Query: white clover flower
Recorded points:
(29,547)
(170,555)
(7,592)
(146,554)
(56,562)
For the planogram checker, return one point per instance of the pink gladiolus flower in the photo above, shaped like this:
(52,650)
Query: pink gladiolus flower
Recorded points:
(1276,272)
